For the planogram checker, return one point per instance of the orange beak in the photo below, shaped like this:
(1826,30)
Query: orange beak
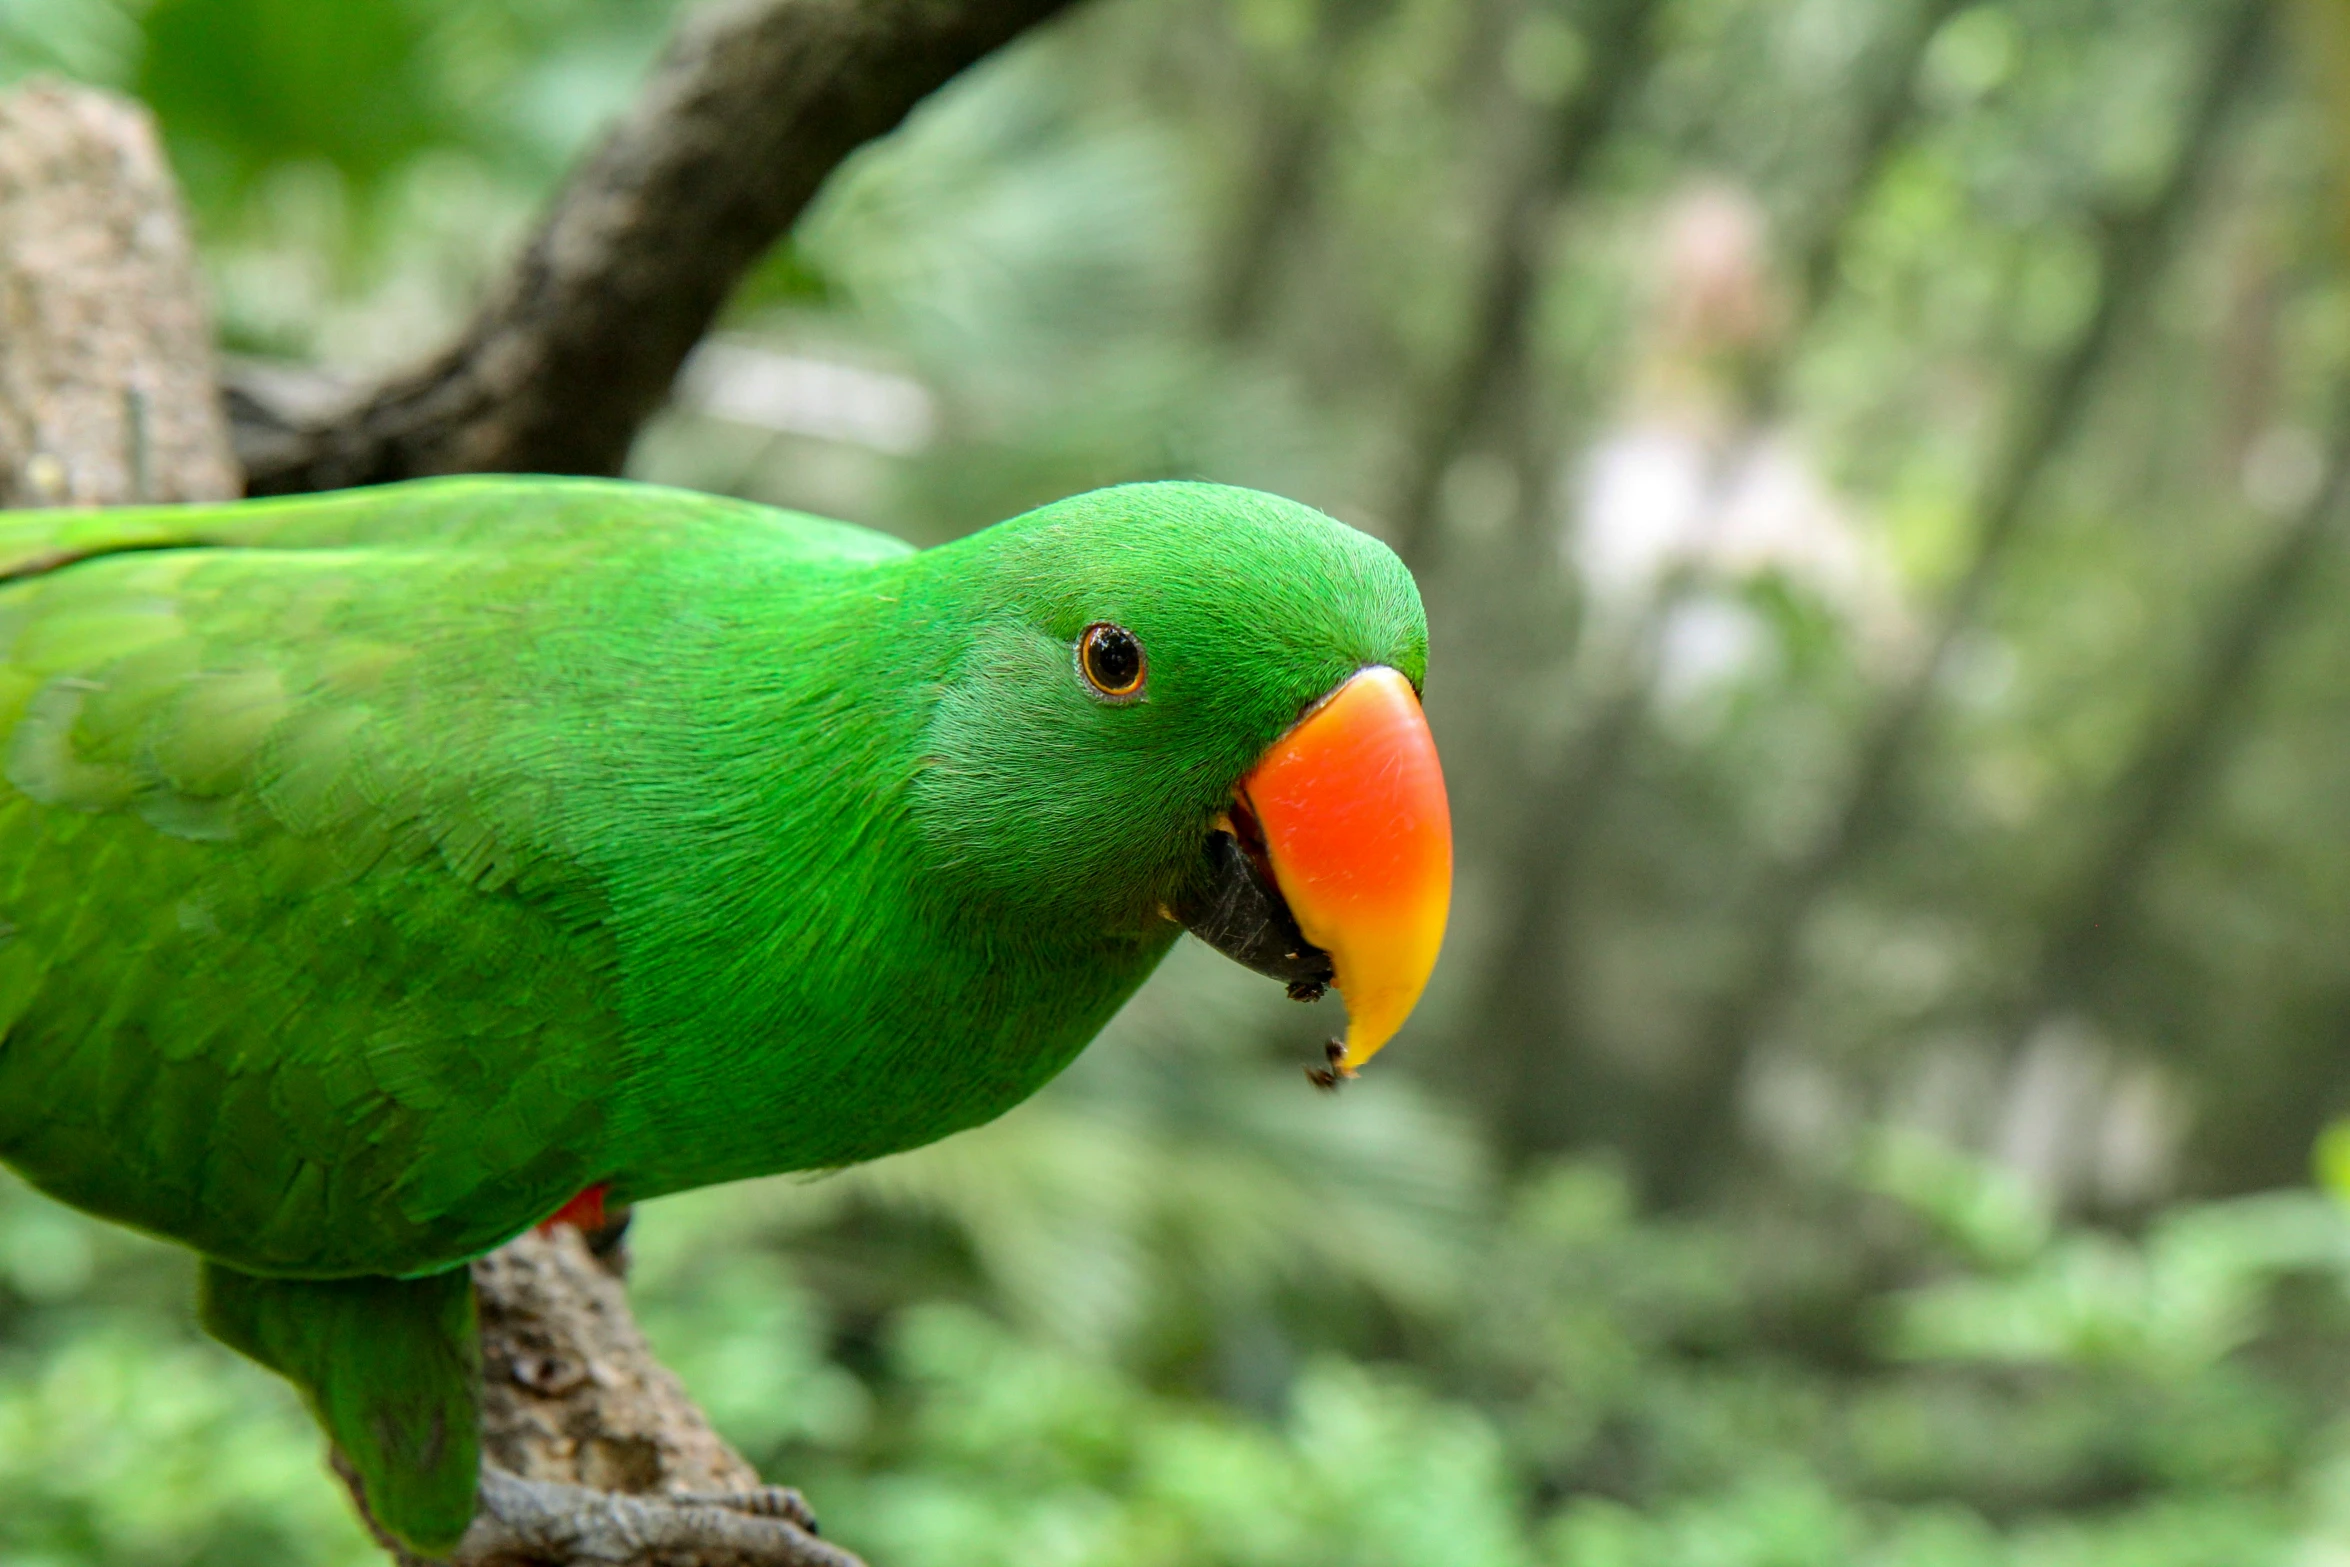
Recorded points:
(1351,805)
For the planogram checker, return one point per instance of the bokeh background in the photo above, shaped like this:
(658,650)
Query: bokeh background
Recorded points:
(1875,471)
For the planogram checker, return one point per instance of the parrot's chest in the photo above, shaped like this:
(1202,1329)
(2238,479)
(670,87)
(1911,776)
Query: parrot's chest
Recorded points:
(835,1065)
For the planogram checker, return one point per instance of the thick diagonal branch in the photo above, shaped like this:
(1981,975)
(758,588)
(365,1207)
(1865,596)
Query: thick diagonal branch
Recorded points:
(754,105)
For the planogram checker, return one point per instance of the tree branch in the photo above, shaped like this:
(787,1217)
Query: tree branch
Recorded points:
(592,1452)
(752,108)
(525,1524)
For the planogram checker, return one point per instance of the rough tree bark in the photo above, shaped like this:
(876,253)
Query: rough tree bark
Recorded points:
(753,106)
(593,1453)
(106,370)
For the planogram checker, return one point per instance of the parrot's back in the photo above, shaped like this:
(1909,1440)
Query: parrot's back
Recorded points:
(300,962)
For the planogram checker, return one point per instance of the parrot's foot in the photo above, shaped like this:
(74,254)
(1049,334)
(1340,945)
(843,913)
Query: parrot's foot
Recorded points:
(767,1501)
(542,1520)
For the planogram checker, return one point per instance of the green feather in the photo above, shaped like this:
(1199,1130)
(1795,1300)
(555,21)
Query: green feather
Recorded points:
(377,870)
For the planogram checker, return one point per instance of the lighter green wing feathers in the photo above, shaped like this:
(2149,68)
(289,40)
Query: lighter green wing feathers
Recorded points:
(497,513)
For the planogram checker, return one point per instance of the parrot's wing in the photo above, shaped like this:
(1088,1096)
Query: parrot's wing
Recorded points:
(293,966)
(469,511)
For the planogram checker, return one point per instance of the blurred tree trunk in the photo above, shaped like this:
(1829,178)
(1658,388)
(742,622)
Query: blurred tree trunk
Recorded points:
(1525,1020)
(1697,1134)
(1621,48)
(2097,925)
(1276,205)
(2099,918)
(2178,758)
(2328,22)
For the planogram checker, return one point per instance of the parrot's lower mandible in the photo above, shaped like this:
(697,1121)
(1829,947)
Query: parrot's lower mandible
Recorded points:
(380,871)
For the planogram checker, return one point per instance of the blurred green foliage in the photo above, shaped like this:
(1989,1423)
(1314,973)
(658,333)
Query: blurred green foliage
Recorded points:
(1612,1391)
(1990,1242)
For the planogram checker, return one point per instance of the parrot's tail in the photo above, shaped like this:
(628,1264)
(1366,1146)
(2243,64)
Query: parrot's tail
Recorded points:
(392,1370)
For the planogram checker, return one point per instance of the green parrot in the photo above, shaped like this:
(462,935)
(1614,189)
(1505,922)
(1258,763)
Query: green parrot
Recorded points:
(383,871)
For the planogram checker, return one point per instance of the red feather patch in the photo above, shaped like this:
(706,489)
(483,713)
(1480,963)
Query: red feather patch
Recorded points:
(584,1212)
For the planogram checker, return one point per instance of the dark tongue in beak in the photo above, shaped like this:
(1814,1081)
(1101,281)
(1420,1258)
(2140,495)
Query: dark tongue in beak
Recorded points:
(1236,908)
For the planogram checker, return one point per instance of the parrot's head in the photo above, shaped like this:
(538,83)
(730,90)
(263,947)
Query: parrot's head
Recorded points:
(1196,703)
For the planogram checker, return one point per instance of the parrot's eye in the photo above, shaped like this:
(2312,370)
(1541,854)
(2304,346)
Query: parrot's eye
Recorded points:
(1111,660)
